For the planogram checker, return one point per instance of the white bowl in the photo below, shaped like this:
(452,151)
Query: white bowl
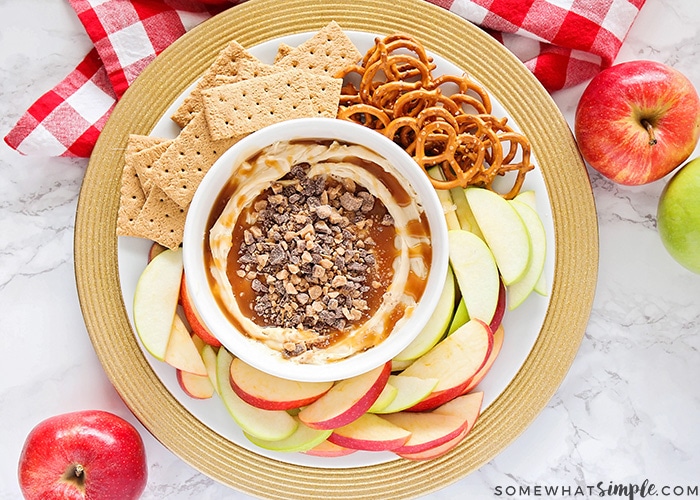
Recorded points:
(256,353)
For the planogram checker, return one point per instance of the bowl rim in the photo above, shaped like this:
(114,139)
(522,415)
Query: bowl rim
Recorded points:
(256,353)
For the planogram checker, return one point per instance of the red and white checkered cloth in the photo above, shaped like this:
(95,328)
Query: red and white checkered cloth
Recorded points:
(563,42)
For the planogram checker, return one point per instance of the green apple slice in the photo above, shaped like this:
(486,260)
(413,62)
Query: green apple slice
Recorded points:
(387,396)
(411,391)
(302,439)
(460,317)
(529,198)
(503,230)
(268,425)
(155,301)
(436,326)
(477,275)
(448,205)
(467,221)
(521,289)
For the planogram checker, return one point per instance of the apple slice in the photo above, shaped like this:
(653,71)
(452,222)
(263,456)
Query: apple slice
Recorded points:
(193,318)
(155,249)
(448,205)
(370,433)
(410,391)
(269,392)
(427,429)
(454,361)
(464,212)
(460,317)
(269,425)
(155,301)
(436,326)
(521,289)
(347,400)
(208,354)
(503,230)
(497,344)
(195,386)
(387,396)
(182,352)
(302,439)
(500,307)
(397,366)
(436,451)
(468,407)
(529,198)
(476,272)
(329,450)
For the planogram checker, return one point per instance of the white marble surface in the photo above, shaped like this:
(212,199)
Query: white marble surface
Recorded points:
(626,412)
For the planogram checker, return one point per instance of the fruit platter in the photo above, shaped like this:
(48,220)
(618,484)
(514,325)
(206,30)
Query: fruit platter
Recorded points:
(524,261)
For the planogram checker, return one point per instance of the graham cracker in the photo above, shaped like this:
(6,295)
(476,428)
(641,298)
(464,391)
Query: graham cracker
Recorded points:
(161,219)
(240,108)
(324,92)
(327,52)
(131,199)
(226,63)
(138,142)
(144,159)
(182,166)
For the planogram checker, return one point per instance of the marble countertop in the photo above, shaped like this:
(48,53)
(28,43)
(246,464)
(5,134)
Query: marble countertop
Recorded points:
(626,412)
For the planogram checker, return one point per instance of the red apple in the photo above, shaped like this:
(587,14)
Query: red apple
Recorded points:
(370,433)
(328,449)
(637,121)
(81,455)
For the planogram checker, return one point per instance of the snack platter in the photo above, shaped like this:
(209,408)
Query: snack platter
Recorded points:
(524,326)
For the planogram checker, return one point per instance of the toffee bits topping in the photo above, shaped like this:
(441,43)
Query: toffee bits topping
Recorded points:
(309,254)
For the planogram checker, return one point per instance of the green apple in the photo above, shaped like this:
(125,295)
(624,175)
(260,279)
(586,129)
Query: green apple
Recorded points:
(529,198)
(521,289)
(448,205)
(464,212)
(503,230)
(387,395)
(155,301)
(678,216)
(434,330)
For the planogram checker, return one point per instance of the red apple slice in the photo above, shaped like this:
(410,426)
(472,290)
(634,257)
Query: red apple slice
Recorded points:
(428,429)
(500,308)
(329,450)
(454,361)
(155,301)
(497,344)
(347,400)
(436,451)
(195,386)
(370,433)
(268,425)
(268,392)
(302,439)
(155,249)
(182,352)
(193,318)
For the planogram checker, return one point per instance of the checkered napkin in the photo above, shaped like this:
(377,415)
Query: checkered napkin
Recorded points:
(563,42)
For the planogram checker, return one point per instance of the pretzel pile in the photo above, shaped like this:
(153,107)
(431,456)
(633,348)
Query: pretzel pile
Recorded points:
(442,121)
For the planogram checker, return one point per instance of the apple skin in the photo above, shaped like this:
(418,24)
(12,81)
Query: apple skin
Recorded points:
(678,216)
(615,111)
(109,450)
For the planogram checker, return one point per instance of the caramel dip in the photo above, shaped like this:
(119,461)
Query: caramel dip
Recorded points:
(319,250)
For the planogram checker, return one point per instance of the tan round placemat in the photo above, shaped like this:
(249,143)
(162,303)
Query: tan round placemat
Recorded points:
(575,267)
